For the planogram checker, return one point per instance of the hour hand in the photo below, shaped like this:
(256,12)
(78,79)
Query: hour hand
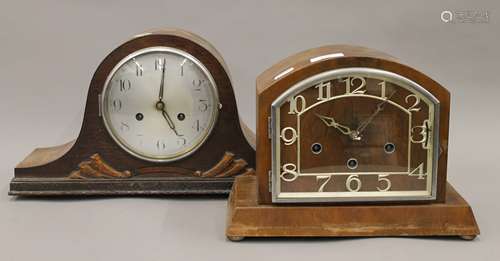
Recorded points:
(330,122)
(170,122)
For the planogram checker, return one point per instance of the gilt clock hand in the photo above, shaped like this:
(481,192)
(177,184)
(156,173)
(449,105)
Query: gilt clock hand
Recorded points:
(330,122)
(364,124)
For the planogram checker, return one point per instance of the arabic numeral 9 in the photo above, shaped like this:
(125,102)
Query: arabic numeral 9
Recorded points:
(291,139)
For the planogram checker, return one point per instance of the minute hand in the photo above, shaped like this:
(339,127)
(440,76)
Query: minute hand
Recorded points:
(162,83)
(380,107)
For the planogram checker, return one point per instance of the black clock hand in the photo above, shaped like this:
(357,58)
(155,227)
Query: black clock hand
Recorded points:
(330,122)
(162,83)
(364,124)
(160,105)
(170,122)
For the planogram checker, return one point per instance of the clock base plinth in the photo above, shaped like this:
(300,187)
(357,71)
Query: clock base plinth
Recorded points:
(248,218)
(93,176)
(120,187)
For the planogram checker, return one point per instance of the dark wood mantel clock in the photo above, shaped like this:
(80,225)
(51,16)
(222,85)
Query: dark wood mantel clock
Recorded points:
(161,118)
(350,142)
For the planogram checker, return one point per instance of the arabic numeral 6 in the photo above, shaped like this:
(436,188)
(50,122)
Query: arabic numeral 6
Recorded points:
(353,183)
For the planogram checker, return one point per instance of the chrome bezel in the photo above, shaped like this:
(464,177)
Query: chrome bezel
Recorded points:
(304,197)
(181,154)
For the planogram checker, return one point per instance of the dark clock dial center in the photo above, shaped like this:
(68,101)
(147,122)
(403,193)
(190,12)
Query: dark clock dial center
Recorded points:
(181,116)
(160,105)
(316,148)
(139,116)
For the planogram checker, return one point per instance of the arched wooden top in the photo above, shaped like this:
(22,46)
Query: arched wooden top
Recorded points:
(229,135)
(191,36)
(303,59)
(281,76)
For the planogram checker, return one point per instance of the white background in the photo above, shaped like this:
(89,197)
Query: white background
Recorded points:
(50,49)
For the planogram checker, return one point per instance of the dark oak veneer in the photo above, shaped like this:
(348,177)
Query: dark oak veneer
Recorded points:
(47,171)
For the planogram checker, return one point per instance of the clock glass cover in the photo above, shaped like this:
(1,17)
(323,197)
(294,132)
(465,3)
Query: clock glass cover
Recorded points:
(354,134)
(160,104)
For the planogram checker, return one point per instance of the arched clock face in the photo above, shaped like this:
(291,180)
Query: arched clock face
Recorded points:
(160,104)
(354,134)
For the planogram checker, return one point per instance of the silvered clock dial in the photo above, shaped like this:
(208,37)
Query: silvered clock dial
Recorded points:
(160,104)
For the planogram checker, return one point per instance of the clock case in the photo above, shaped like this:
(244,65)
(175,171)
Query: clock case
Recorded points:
(252,212)
(94,164)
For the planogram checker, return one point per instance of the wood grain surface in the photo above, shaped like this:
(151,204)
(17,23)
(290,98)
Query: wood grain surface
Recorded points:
(248,218)
(227,136)
(269,88)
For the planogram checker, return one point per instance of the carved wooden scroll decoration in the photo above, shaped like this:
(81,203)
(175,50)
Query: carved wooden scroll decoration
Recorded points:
(226,167)
(97,168)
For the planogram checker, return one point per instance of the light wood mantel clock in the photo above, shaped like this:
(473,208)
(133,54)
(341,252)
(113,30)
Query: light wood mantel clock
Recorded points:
(350,142)
(160,118)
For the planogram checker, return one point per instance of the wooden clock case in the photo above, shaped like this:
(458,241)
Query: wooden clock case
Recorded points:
(94,164)
(252,213)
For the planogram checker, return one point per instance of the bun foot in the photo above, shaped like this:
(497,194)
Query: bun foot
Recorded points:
(235,238)
(469,237)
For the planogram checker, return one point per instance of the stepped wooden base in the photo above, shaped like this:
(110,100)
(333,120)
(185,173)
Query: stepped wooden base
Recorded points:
(247,218)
